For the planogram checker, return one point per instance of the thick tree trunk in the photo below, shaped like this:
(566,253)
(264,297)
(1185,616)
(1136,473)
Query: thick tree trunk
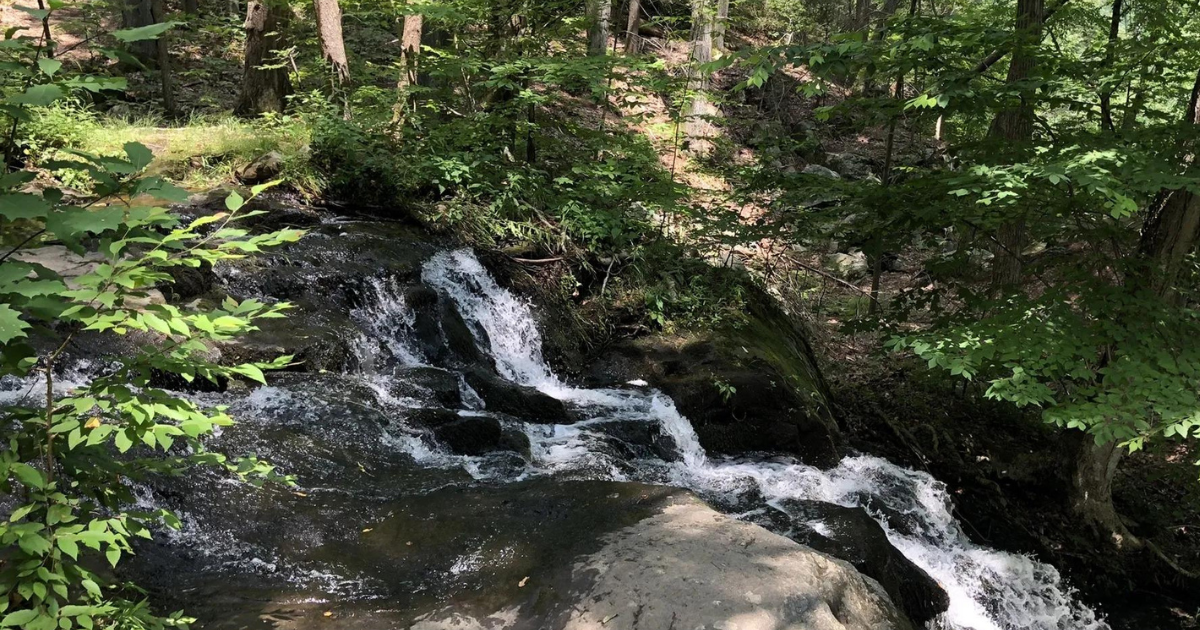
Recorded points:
(721,24)
(264,89)
(191,7)
(1092,472)
(159,15)
(1014,126)
(633,24)
(1172,225)
(699,111)
(135,14)
(1170,234)
(599,18)
(333,47)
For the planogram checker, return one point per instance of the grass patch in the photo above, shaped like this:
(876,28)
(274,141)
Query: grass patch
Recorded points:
(201,154)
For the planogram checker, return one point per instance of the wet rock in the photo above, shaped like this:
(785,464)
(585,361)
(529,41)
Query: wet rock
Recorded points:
(639,440)
(753,390)
(440,330)
(527,556)
(518,401)
(850,266)
(427,384)
(471,435)
(858,539)
(820,171)
(262,169)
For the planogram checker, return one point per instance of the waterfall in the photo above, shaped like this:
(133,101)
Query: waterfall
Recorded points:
(988,589)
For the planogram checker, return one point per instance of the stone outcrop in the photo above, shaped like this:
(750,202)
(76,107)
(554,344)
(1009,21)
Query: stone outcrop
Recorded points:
(548,554)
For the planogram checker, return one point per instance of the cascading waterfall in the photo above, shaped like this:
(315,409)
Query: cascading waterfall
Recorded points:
(989,589)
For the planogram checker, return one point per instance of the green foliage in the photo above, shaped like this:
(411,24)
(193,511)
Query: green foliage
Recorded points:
(70,457)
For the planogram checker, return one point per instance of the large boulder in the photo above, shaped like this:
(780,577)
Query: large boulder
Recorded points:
(852,535)
(529,556)
(754,387)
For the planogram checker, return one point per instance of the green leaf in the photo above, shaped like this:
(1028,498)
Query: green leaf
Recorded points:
(19,618)
(49,66)
(122,441)
(113,555)
(71,223)
(28,475)
(142,33)
(11,325)
(234,201)
(38,95)
(23,206)
(138,154)
(69,547)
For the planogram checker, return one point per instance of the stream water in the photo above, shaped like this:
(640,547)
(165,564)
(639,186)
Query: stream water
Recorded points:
(988,589)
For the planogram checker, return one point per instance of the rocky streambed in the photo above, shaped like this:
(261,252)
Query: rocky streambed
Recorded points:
(448,478)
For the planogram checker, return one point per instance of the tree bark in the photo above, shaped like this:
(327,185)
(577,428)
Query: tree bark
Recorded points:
(1013,126)
(1170,234)
(1092,473)
(135,14)
(1172,225)
(699,110)
(1110,50)
(264,89)
(633,24)
(191,7)
(599,17)
(410,55)
(721,24)
(159,15)
(333,47)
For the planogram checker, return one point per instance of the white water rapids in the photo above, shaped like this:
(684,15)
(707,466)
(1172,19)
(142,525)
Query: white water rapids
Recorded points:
(989,589)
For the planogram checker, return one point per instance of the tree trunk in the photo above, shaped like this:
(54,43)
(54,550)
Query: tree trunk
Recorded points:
(333,48)
(410,54)
(191,7)
(721,25)
(699,110)
(264,89)
(633,40)
(1170,234)
(599,17)
(1172,224)
(135,14)
(1114,32)
(1092,473)
(1014,126)
(159,15)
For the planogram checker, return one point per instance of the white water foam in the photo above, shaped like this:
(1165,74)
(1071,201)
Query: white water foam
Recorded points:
(988,589)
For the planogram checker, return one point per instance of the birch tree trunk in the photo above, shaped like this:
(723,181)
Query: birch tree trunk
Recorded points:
(265,81)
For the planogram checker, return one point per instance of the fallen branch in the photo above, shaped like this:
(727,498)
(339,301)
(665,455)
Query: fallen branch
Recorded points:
(537,261)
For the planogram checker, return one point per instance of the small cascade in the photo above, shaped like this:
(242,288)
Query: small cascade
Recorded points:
(367,442)
(989,589)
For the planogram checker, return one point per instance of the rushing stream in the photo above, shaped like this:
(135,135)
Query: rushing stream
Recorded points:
(988,589)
